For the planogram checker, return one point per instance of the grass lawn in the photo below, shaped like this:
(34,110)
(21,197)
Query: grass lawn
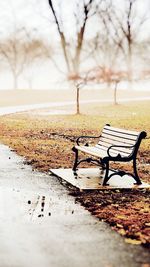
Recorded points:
(46,142)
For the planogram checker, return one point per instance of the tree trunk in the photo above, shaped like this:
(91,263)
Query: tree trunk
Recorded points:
(130,63)
(130,71)
(62,37)
(76,61)
(115,93)
(78,100)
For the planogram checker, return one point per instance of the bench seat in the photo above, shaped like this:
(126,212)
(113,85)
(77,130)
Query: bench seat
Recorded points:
(94,151)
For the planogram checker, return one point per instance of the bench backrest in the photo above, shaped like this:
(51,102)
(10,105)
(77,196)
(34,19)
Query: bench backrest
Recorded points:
(120,137)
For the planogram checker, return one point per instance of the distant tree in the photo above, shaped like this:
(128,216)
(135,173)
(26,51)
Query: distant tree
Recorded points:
(124,25)
(11,52)
(110,76)
(19,50)
(20,47)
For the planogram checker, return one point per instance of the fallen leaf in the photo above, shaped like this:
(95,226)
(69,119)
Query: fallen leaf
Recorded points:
(122,232)
(121,217)
(119,225)
(133,241)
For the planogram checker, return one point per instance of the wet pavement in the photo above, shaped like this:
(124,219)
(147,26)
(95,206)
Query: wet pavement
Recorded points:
(42,226)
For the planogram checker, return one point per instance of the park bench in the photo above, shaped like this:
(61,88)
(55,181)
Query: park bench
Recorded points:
(114,145)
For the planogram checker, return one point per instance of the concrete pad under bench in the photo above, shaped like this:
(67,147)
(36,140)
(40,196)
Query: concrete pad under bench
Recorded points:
(91,178)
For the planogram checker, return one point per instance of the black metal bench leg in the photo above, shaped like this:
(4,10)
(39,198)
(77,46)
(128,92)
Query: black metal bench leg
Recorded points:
(102,164)
(76,159)
(106,178)
(136,177)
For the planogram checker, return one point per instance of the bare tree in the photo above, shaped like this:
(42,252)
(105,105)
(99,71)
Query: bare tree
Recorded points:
(13,53)
(19,47)
(115,45)
(18,51)
(72,48)
(124,25)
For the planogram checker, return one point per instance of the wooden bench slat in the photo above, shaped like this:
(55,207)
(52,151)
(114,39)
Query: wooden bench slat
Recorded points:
(116,141)
(120,149)
(123,135)
(108,143)
(121,130)
(99,152)
(119,135)
(115,151)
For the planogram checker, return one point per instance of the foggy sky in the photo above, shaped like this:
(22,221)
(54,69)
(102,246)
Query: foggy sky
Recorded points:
(36,14)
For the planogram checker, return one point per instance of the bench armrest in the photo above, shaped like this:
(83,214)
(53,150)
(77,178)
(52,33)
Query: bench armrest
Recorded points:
(85,137)
(113,146)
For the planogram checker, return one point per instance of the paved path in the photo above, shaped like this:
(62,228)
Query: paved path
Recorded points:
(41,226)
(14,109)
